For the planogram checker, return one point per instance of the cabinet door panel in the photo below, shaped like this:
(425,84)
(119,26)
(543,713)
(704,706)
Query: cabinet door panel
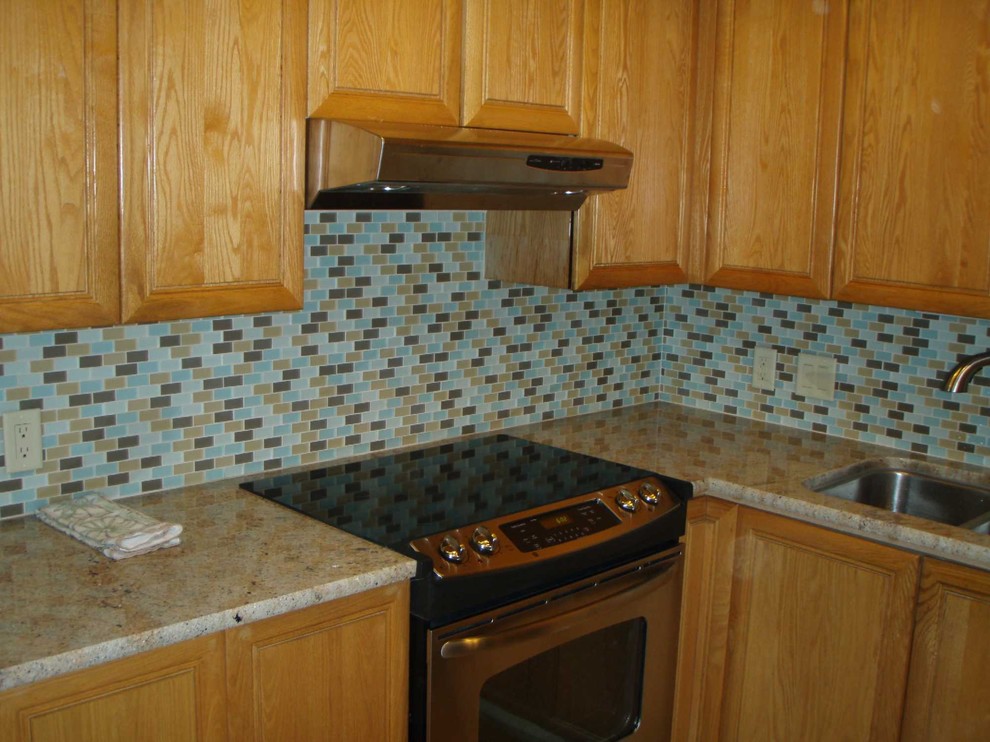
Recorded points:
(522,65)
(392,60)
(640,84)
(789,630)
(821,630)
(775,145)
(331,673)
(949,685)
(914,227)
(212,129)
(58,156)
(176,693)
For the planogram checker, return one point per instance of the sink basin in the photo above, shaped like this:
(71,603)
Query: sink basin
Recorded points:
(901,490)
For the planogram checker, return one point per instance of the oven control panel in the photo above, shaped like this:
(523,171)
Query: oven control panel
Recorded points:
(547,531)
(560,526)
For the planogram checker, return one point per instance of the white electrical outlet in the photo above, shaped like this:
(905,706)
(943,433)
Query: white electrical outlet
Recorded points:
(816,376)
(765,368)
(22,440)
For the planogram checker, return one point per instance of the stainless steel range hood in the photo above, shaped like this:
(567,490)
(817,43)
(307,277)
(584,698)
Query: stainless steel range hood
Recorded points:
(401,166)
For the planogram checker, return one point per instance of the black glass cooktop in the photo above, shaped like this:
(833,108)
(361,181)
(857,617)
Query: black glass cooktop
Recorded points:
(393,499)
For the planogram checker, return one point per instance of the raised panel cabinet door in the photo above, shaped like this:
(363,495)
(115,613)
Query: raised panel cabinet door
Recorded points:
(708,555)
(212,131)
(775,145)
(914,218)
(522,65)
(388,60)
(58,157)
(819,634)
(335,672)
(948,696)
(641,74)
(174,694)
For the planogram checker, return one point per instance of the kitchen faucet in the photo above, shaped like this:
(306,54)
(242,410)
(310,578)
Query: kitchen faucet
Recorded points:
(959,377)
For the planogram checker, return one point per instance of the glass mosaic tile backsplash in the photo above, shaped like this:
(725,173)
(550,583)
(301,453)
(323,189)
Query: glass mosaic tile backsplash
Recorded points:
(401,341)
(890,364)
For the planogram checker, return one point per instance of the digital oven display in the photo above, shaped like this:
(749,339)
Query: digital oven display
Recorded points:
(556,520)
(560,526)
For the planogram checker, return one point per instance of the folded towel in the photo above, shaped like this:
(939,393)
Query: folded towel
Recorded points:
(114,529)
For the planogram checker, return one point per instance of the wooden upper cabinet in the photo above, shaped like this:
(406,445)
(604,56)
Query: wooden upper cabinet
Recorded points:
(522,64)
(394,60)
(775,145)
(948,695)
(914,223)
(212,132)
(58,156)
(640,85)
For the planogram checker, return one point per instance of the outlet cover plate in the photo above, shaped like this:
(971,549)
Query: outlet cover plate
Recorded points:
(22,440)
(765,368)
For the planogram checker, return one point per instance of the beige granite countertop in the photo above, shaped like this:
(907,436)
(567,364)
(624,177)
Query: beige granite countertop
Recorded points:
(764,466)
(63,606)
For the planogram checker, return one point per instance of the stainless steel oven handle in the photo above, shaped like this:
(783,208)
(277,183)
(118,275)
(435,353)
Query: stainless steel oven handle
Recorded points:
(559,620)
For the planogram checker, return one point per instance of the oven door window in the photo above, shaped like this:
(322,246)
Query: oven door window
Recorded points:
(588,689)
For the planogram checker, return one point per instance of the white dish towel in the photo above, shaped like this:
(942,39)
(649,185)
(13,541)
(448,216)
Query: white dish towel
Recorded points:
(114,529)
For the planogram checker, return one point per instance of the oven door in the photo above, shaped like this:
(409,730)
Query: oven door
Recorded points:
(592,661)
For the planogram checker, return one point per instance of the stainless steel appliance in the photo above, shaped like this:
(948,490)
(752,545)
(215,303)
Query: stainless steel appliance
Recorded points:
(547,598)
(363,165)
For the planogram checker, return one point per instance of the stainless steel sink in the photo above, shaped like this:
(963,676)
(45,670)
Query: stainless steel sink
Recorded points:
(901,490)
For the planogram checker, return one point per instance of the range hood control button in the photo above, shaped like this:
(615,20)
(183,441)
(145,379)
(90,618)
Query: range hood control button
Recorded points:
(484,541)
(451,549)
(626,501)
(649,494)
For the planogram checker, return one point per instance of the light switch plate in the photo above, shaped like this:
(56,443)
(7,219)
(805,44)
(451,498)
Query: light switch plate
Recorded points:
(765,368)
(816,376)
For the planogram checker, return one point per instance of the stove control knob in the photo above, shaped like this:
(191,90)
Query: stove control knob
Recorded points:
(451,549)
(626,501)
(484,541)
(649,494)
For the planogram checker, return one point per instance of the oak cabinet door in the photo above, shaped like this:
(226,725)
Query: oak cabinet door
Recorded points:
(335,672)
(775,145)
(914,222)
(640,86)
(58,157)
(522,65)
(948,696)
(173,694)
(212,131)
(803,633)
(391,60)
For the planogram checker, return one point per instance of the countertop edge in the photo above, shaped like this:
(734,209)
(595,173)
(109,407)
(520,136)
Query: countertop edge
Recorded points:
(894,534)
(114,649)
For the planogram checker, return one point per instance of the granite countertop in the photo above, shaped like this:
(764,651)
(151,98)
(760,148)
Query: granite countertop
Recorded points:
(64,606)
(765,466)
(243,558)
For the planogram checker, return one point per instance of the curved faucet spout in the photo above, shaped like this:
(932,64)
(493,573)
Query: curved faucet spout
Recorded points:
(959,377)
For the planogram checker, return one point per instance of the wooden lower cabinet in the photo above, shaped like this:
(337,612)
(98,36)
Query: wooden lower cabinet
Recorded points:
(328,673)
(171,694)
(790,631)
(948,696)
(336,672)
